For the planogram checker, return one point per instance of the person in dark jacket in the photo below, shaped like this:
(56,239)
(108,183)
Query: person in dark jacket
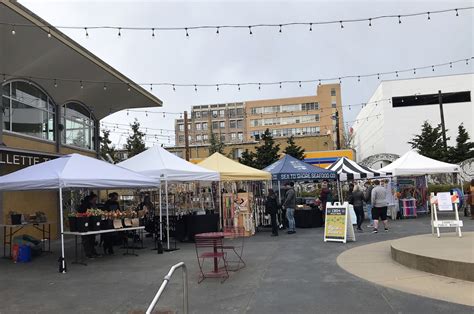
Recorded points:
(290,205)
(271,208)
(88,241)
(357,200)
(108,239)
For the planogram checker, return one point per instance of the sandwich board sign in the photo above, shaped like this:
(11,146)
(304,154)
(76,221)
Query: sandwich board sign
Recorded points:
(338,223)
(443,202)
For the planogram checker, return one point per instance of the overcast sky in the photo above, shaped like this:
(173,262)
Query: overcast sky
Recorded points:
(267,55)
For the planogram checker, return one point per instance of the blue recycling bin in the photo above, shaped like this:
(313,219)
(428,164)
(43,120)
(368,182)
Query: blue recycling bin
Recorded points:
(24,254)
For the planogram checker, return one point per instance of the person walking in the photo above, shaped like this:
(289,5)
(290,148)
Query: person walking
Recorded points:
(471,199)
(290,205)
(379,206)
(368,199)
(271,208)
(357,200)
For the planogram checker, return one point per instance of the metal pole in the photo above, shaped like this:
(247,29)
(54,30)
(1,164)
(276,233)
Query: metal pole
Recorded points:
(338,135)
(61,224)
(443,128)
(161,218)
(220,206)
(167,216)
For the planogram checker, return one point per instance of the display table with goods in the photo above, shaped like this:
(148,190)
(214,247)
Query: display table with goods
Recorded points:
(18,222)
(308,218)
(96,221)
(183,227)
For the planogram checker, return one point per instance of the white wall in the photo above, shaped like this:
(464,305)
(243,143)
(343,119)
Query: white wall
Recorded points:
(399,125)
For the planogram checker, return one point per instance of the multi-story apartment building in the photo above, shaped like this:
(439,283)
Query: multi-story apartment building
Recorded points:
(246,121)
(225,121)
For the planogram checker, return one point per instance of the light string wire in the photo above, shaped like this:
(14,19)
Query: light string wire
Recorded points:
(154,30)
(378,75)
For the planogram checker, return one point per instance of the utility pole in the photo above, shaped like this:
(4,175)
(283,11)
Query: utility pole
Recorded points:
(186,136)
(443,127)
(338,135)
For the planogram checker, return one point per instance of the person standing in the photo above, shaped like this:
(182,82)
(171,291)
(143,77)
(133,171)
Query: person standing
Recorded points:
(88,241)
(290,205)
(357,200)
(271,208)
(379,206)
(108,239)
(471,199)
(368,199)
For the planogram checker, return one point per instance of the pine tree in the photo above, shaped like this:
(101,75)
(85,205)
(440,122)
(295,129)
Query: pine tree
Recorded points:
(135,142)
(248,158)
(464,148)
(106,149)
(430,142)
(294,150)
(215,145)
(267,153)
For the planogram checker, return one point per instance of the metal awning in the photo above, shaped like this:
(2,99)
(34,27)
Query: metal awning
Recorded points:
(30,54)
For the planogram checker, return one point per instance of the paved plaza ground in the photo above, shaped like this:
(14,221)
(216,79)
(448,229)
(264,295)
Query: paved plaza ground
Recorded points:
(287,274)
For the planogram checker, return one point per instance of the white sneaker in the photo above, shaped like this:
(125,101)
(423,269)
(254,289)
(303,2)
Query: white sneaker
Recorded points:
(370,225)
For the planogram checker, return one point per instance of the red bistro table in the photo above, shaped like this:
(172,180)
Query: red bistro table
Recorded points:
(215,236)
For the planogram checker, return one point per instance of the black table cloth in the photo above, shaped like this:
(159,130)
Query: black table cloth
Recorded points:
(308,218)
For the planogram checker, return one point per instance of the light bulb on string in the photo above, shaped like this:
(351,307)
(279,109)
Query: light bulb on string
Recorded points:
(378,76)
(259,86)
(370,22)
(414,71)
(451,65)
(119,32)
(174,88)
(217,87)
(299,83)
(467,61)
(340,81)
(310,27)
(358,78)
(396,73)
(217,30)
(399,20)
(250,30)
(319,83)
(129,88)
(152,33)
(432,68)
(280,84)
(4,78)
(82,85)
(164,115)
(128,113)
(187,34)
(151,87)
(195,88)
(87,33)
(55,83)
(105,87)
(146,113)
(429,18)
(342,26)
(238,86)
(13,30)
(280,29)
(49,32)
(457,14)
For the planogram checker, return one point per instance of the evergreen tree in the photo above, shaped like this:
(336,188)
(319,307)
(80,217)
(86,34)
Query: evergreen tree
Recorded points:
(248,158)
(215,145)
(430,142)
(135,142)
(464,148)
(267,153)
(294,150)
(106,147)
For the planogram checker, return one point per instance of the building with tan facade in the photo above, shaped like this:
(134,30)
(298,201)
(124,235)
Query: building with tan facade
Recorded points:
(244,122)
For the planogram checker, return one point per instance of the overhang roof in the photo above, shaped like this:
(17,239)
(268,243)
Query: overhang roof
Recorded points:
(31,54)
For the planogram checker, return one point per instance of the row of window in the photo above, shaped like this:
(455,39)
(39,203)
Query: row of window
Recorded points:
(285,120)
(233,124)
(315,130)
(285,108)
(231,113)
(29,111)
(202,138)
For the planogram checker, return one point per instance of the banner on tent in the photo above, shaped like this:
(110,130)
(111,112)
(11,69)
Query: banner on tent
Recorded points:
(338,223)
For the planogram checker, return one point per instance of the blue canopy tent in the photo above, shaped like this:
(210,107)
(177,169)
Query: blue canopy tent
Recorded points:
(291,169)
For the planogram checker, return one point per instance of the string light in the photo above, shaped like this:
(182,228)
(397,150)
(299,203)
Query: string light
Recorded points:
(310,27)
(129,88)
(280,28)
(187,34)
(396,73)
(450,64)
(105,87)
(174,88)
(299,83)
(280,84)
(151,87)
(429,18)
(217,87)
(153,33)
(378,76)
(457,14)
(432,68)
(119,32)
(13,30)
(259,86)
(195,88)
(399,20)
(370,22)
(87,33)
(82,85)
(358,78)
(250,30)
(55,83)
(342,26)
(217,30)
(467,61)
(414,71)
(238,86)
(49,32)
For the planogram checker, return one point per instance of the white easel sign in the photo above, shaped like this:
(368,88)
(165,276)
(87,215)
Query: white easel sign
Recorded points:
(338,223)
(443,202)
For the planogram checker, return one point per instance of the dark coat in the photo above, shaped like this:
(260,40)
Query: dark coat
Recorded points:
(357,199)
(271,205)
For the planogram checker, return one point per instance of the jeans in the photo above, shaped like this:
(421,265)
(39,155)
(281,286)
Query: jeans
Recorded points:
(369,213)
(274,224)
(359,211)
(290,215)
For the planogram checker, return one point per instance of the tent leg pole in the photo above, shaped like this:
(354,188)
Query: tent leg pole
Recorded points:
(220,206)
(167,217)
(161,218)
(62,267)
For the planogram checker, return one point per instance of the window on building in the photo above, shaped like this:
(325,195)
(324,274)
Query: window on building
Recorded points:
(215,125)
(333,104)
(222,138)
(198,114)
(232,124)
(204,125)
(198,126)
(233,136)
(205,137)
(237,153)
(222,124)
(199,138)
(181,138)
(240,124)
(78,126)
(232,113)
(240,112)
(181,127)
(215,113)
(189,126)
(222,113)
(240,136)
(310,106)
(333,92)
(204,114)
(28,110)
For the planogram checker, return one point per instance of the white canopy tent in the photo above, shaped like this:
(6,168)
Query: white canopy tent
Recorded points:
(157,162)
(412,163)
(73,171)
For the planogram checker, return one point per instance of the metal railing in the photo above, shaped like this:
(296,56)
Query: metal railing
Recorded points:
(165,283)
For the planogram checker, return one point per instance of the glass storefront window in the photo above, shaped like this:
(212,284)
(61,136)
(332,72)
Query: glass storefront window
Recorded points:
(78,126)
(28,110)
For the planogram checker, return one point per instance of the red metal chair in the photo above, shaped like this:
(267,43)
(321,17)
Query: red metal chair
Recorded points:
(235,237)
(211,248)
